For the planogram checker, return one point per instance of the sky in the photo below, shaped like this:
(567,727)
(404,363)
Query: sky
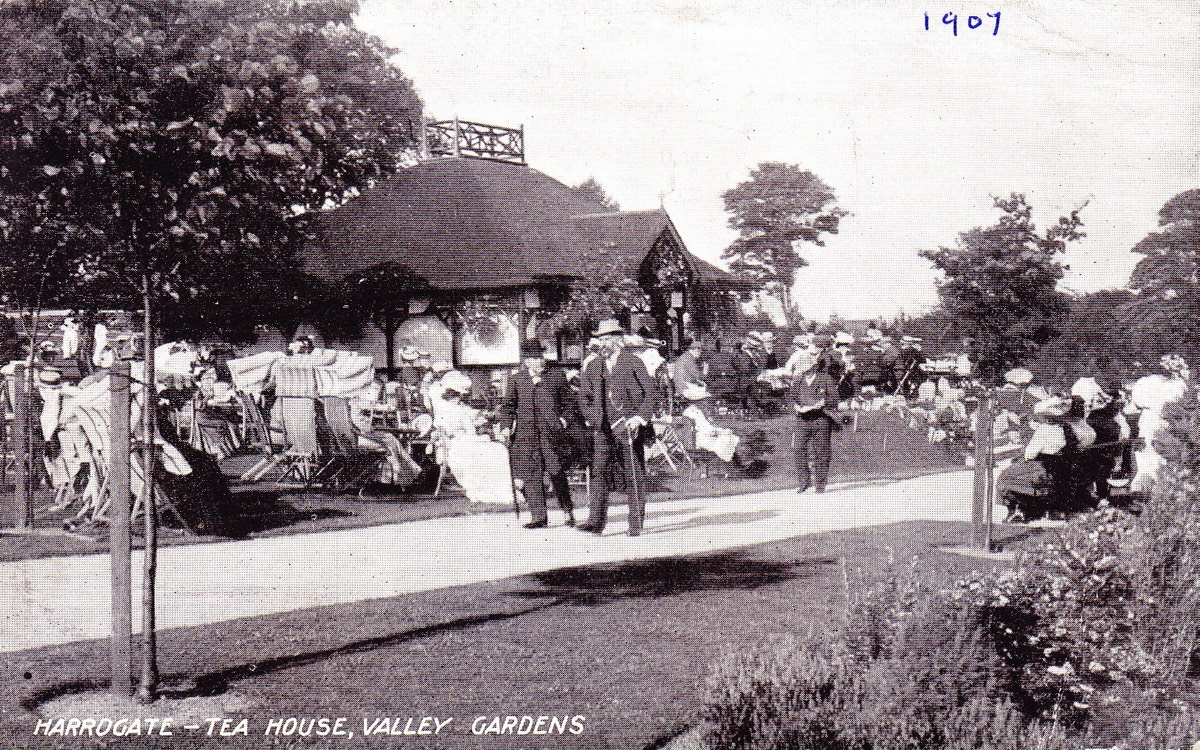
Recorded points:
(673,102)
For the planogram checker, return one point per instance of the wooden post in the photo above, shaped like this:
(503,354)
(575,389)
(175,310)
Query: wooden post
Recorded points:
(979,504)
(21,496)
(119,539)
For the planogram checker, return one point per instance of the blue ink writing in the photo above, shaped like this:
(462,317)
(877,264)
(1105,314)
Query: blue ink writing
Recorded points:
(973,22)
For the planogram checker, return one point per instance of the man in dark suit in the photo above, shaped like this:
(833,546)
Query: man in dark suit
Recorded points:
(815,395)
(538,406)
(617,396)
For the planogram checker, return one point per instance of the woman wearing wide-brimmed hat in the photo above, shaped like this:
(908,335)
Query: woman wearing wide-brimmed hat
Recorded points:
(1046,479)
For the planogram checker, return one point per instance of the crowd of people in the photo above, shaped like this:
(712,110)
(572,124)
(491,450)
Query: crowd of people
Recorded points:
(521,434)
(1069,449)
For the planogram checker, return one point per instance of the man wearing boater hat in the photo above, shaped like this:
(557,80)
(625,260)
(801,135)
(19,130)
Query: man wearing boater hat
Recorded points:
(617,396)
(536,410)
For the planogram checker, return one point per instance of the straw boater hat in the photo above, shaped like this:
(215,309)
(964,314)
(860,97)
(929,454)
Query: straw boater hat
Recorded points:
(843,338)
(1055,406)
(441,366)
(49,376)
(874,334)
(767,336)
(608,327)
(409,353)
(1019,376)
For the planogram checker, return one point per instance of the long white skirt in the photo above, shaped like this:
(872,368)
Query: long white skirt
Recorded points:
(481,466)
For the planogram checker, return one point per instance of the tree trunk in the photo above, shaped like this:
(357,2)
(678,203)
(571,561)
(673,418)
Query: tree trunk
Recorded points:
(149,680)
(787,301)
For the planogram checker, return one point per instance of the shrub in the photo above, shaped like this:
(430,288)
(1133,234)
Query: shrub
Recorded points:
(986,723)
(1167,564)
(877,602)
(786,694)
(1113,600)
(935,660)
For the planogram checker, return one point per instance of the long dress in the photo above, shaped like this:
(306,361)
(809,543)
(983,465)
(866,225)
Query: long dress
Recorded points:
(478,463)
(721,441)
(1151,394)
(1036,484)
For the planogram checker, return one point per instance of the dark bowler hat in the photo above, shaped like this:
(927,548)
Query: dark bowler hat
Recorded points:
(532,348)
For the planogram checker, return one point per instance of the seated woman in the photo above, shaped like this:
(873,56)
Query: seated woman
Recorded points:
(1104,416)
(478,463)
(720,441)
(399,469)
(1046,479)
(217,417)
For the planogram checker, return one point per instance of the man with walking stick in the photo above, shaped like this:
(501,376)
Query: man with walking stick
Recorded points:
(617,396)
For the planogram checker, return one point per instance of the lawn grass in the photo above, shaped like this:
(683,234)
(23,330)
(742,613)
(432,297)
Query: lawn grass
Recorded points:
(882,448)
(627,645)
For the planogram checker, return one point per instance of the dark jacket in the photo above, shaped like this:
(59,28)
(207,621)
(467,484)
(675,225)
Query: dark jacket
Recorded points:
(611,395)
(823,389)
(539,415)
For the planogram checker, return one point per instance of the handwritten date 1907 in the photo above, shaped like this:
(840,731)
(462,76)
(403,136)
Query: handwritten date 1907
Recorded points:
(973,22)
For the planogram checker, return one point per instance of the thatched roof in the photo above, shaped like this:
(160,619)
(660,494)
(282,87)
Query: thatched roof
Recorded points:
(467,224)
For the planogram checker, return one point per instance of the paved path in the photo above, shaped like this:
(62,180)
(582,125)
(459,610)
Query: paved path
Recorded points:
(60,600)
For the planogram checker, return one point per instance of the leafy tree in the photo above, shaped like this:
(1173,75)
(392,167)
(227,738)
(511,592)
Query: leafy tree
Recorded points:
(383,291)
(1001,284)
(187,145)
(779,207)
(1166,277)
(604,290)
(594,191)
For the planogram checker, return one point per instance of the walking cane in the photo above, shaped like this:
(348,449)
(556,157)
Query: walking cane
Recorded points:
(632,470)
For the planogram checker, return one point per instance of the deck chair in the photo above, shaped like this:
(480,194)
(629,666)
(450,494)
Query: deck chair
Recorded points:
(346,463)
(259,435)
(212,434)
(670,444)
(293,466)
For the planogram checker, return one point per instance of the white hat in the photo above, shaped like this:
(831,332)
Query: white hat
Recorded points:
(767,335)
(456,381)
(1019,376)
(874,334)
(409,353)
(609,326)
(843,338)
(441,366)
(694,392)
(1054,406)
(1087,389)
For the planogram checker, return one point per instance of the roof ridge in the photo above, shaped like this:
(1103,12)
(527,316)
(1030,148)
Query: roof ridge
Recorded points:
(611,214)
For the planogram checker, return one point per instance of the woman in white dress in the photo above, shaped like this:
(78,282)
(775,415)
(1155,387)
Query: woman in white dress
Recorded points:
(1151,394)
(479,463)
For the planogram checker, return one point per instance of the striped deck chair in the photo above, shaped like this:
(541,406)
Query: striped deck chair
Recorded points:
(295,465)
(348,464)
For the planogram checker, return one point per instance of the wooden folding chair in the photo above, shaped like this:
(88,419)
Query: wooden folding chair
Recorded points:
(669,446)
(347,464)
